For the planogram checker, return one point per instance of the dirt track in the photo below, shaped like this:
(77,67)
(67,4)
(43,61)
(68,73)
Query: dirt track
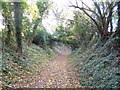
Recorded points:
(58,73)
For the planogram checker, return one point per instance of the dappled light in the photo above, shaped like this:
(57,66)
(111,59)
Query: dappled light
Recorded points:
(59,44)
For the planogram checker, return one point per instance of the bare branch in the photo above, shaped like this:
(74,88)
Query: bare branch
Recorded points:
(80,22)
(86,5)
(83,9)
(76,2)
(98,8)
(70,2)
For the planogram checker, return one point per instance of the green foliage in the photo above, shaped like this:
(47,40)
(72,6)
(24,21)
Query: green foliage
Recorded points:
(60,28)
(27,28)
(77,31)
(64,35)
(7,9)
(9,21)
(42,38)
(42,6)
(83,32)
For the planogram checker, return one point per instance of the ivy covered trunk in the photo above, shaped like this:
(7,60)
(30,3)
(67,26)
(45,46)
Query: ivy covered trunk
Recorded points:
(118,29)
(18,27)
(9,26)
(7,14)
(118,16)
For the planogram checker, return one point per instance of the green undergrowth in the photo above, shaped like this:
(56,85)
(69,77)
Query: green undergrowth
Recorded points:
(16,69)
(97,64)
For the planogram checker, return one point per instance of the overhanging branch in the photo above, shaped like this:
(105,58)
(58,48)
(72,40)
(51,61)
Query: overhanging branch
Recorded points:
(83,9)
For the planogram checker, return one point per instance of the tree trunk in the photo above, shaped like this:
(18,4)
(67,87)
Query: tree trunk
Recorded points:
(8,21)
(10,27)
(34,29)
(7,41)
(111,25)
(103,18)
(18,23)
(110,18)
(117,32)
(118,27)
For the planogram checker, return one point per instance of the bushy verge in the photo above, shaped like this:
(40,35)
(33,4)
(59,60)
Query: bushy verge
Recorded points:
(97,64)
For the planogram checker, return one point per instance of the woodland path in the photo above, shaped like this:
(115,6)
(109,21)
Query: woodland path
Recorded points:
(58,73)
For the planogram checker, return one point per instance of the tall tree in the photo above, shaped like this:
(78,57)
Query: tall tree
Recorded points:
(118,26)
(82,27)
(117,33)
(18,25)
(7,15)
(42,6)
(58,16)
(102,15)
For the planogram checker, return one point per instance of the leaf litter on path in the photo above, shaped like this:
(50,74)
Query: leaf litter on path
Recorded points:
(57,74)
